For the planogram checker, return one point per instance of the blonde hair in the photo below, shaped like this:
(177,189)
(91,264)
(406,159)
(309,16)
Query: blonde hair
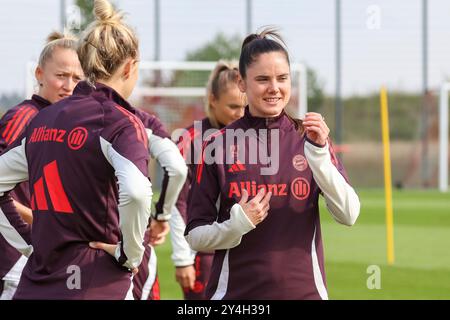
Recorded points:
(106,43)
(56,40)
(224,73)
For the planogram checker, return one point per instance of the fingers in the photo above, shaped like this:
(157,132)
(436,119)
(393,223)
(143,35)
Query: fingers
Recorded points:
(158,240)
(109,248)
(96,245)
(266,199)
(259,195)
(185,276)
(313,116)
(244,197)
(158,232)
(316,128)
(187,282)
(264,215)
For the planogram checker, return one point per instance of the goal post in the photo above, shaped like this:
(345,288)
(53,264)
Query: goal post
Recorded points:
(443,137)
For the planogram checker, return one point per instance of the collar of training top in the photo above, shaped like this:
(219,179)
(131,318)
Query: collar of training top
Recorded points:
(102,92)
(40,102)
(280,122)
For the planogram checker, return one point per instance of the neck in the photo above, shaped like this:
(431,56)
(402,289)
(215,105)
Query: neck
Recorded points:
(116,84)
(42,96)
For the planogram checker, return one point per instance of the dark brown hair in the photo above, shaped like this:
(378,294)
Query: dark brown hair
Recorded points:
(268,40)
(255,44)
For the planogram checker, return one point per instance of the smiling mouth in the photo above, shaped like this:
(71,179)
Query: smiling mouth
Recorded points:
(272,100)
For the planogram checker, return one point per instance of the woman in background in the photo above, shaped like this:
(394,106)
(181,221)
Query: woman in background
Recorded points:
(225,104)
(57,74)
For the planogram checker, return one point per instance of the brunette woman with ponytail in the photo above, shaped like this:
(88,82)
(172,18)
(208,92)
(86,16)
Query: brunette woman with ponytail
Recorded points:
(262,219)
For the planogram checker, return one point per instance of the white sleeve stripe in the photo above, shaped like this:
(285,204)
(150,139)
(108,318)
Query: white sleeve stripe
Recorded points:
(135,194)
(170,158)
(341,199)
(318,279)
(224,235)
(13,237)
(13,168)
(152,267)
(222,285)
(182,254)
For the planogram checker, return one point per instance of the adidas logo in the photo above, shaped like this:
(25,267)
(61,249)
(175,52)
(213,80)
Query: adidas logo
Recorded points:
(50,182)
(237,167)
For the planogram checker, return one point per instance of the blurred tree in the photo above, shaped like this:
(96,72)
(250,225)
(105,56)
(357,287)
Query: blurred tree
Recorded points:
(220,47)
(316,96)
(87,12)
(9,100)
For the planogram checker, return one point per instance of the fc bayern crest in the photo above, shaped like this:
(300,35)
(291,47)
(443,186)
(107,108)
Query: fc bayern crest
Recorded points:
(299,162)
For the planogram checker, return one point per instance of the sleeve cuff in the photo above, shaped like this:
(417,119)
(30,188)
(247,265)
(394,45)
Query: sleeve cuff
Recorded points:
(243,223)
(315,144)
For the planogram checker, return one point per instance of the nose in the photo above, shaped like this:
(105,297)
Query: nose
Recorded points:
(273,87)
(69,84)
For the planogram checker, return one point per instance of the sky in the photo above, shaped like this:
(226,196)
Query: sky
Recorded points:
(381,40)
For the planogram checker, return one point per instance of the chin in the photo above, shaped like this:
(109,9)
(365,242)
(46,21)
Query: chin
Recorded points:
(273,111)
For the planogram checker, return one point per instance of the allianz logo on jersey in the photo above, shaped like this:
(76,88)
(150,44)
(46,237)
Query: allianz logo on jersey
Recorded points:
(75,139)
(299,188)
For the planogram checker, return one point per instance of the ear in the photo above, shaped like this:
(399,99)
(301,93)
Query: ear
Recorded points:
(241,84)
(212,101)
(38,73)
(127,68)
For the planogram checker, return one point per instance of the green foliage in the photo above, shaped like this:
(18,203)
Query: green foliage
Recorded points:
(221,47)
(316,96)
(87,12)
(361,116)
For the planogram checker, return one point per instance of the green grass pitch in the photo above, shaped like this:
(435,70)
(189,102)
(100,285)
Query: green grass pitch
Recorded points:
(422,249)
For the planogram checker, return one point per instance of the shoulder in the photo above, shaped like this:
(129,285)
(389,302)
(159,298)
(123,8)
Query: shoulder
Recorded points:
(23,109)
(15,120)
(118,118)
(153,123)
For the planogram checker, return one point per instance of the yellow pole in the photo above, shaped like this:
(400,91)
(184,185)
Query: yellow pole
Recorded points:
(387,177)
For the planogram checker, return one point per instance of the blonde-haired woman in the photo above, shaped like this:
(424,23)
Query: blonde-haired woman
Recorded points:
(87,162)
(58,72)
(224,104)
